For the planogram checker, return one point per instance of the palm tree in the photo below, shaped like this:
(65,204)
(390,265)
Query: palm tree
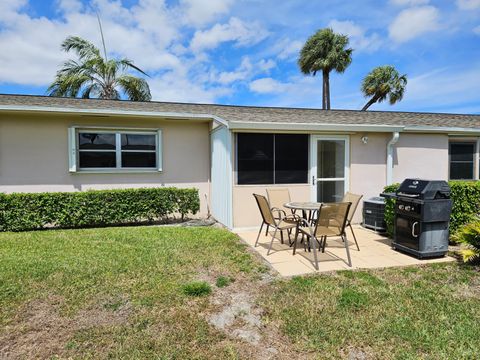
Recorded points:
(325,51)
(94,76)
(383,82)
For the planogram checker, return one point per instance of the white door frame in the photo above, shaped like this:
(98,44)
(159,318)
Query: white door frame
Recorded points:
(313,162)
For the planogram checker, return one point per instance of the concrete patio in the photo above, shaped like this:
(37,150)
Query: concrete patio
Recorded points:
(375,252)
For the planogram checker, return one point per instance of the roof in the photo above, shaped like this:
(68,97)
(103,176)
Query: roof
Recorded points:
(253,116)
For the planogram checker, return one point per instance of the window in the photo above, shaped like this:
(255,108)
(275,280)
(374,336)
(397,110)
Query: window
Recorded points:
(462,160)
(115,150)
(272,158)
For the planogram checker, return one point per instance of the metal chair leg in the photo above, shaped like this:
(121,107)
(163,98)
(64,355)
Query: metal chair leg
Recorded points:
(281,236)
(354,237)
(314,245)
(295,242)
(266,231)
(324,243)
(271,242)
(295,237)
(344,237)
(259,232)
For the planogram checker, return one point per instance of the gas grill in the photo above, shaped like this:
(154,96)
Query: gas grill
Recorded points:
(422,215)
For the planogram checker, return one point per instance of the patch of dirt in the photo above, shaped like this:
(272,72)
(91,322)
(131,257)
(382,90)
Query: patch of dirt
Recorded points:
(471,290)
(40,331)
(355,353)
(236,312)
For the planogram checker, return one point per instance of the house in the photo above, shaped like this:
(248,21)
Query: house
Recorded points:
(227,152)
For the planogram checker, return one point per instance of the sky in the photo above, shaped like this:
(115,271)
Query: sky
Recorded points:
(245,52)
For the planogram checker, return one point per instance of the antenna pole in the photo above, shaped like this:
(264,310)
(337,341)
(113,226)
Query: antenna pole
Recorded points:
(101,33)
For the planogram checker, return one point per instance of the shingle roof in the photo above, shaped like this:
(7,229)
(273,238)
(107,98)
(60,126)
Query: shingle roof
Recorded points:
(253,113)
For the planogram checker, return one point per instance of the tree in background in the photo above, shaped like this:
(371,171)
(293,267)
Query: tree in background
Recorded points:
(381,83)
(95,76)
(325,51)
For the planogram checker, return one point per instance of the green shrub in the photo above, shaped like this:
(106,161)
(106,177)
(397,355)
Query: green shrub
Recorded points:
(469,235)
(197,288)
(32,211)
(465,204)
(390,208)
(223,281)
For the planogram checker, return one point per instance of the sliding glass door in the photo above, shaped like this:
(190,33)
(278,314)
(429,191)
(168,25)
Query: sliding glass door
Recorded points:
(329,167)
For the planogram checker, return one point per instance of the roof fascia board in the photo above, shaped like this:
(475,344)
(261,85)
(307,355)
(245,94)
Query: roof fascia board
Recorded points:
(443,130)
(250,125)
(163,114)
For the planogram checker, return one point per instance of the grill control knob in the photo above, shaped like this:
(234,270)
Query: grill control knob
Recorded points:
(407,208)
(400,207)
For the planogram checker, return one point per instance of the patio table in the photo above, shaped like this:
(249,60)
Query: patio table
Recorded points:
(304,206)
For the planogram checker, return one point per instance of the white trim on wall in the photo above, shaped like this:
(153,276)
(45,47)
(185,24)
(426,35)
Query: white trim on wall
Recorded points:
(72,149)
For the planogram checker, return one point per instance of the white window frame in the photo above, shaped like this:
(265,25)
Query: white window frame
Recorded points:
(476,155)
(314,163)
(73,155)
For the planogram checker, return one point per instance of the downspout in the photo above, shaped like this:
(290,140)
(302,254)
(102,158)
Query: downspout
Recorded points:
(393,141)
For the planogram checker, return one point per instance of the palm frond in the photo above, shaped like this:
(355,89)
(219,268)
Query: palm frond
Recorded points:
(68,86)
(135,88)
(126,63)
(83,48)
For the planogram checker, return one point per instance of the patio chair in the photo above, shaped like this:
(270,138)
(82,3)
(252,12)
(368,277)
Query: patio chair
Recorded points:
(331,221)
(287,222)
(355,200)
(276,198)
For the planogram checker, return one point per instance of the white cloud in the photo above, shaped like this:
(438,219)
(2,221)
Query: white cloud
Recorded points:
(413,22)
(286,49)
(267,86)
(244,72)
(409,2)
(69,6)
(172,86)
(200,12)
(358,38)
(468,4)
(235,30)
(476,30)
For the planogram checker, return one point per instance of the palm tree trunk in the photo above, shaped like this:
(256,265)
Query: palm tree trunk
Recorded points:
(370,102)
(327,85)
(326,90)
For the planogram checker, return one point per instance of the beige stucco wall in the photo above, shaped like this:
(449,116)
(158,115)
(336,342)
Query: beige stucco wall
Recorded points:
(34,155)
(421,155)
(367,166)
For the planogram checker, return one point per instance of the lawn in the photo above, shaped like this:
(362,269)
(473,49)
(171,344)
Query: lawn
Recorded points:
(174,292)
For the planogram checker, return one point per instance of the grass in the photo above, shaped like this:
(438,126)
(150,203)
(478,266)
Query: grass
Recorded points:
(144,292)
(223,281)
(399,313)
(138,271)
(197,288)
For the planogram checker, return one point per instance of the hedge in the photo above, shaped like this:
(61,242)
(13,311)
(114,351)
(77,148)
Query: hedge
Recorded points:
(33,211)
(466,204)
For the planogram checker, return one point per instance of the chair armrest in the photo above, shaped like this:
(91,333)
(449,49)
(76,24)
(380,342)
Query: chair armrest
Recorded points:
(279,211)
(292,217)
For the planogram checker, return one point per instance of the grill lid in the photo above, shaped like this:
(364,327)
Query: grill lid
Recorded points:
(424,189)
